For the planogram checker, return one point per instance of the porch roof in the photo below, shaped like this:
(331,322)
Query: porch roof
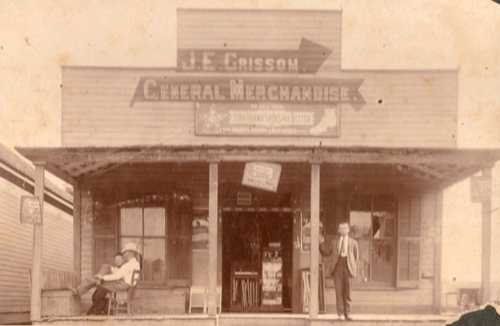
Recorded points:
(435,167)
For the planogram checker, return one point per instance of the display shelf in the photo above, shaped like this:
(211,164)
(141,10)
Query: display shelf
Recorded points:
(244,289)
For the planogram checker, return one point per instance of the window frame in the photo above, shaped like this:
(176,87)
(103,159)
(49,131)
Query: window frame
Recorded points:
(146,283)
(370,283)
(409,238)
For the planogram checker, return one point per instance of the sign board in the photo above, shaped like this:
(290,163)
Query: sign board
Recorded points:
(193,88)
(306,233)
(199,238)
(262,175)
(480,189)
(307,58)
(267,119)
(243,198)
(31,210)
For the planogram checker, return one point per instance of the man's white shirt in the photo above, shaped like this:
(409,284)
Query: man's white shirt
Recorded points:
(343,250)
(124,272)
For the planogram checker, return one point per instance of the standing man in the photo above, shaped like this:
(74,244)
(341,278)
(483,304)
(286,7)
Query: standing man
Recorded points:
(344,252)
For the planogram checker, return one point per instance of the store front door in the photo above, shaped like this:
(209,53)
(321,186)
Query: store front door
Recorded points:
(257,261)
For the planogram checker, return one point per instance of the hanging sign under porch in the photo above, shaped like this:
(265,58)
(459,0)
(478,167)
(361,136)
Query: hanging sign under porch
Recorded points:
(31,210)
(262,175)
(266,119)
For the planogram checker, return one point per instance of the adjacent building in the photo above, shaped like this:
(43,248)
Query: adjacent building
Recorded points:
(16,239)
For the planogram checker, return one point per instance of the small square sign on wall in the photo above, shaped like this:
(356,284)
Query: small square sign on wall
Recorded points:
(31,210)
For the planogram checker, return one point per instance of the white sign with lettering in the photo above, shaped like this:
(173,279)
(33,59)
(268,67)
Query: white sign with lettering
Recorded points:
(262,175)
(31,210)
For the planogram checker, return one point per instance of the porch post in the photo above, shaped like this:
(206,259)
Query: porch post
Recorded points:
(315,189)
(486,242)
(438,224)
(212,236)
(77,257)
(36,269)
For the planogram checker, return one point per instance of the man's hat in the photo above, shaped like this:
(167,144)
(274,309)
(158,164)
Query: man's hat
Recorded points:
(130,247)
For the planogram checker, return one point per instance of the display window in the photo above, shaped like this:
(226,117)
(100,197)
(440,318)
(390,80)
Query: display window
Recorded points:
(146,228)
(373,224)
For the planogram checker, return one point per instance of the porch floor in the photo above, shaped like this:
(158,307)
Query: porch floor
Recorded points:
(237,319)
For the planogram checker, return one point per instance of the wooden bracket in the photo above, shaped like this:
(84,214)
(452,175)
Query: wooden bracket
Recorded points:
(316,157)
(212,158)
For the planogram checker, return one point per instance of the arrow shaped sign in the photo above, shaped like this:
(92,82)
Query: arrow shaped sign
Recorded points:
(306,59)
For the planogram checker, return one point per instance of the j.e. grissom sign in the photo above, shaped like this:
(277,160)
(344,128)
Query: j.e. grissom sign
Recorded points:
(306,59)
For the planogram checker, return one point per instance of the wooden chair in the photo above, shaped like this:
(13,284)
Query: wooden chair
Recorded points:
(219,298)
(198,298)
(121,300)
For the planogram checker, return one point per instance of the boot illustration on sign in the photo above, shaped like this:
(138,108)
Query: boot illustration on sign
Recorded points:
(329,120)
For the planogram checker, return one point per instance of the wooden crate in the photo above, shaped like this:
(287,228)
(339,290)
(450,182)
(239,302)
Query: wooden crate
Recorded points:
(60,303)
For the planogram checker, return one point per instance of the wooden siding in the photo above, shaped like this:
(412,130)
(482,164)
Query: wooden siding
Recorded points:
(16,241)
(403,109)
(260,30)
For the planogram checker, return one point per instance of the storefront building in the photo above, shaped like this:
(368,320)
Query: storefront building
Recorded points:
(225,169)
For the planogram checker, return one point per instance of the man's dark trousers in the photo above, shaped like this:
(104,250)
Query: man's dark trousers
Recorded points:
(342,281)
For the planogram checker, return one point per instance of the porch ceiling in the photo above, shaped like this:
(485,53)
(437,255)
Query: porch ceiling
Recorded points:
(115,165)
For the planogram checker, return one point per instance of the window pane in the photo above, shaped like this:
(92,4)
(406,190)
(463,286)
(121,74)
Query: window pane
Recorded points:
(154,260)
(404,260)
(384,203)
(360,216)
(404,217)
(361,202)
(363,274)
(383,224)
(104,252)
(415,216)
(383,260)
(384,212)
(105,220)
(414,260)
(136,241)
(154,221)
(131,221)
(361,224)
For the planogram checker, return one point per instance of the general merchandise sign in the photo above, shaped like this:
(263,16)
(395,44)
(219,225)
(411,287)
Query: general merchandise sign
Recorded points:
(231,100)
